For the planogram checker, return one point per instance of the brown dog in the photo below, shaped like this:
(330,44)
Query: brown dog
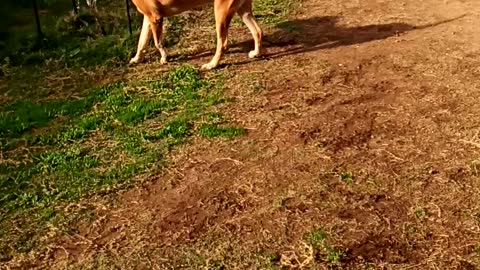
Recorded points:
(155,10)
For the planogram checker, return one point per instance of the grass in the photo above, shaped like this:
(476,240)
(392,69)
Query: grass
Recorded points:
(214,130)
(61,151)
(272,11)
(102,142)
(69,40)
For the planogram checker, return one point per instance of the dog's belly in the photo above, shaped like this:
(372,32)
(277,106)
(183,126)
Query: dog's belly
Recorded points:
(165,8)
(174,7)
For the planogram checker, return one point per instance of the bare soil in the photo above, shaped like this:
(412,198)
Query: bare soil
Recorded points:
(385,90)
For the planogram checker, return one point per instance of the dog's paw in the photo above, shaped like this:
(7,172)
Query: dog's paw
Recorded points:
(254,54)
(209,66)
(135,60)
(163,61)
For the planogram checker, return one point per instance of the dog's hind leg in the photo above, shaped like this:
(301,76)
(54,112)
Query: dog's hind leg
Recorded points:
(223,15)
(145,36)
(157,28)
(245,12)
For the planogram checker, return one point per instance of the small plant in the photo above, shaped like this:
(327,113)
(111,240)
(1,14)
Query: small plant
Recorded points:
(347,177)
(420,213)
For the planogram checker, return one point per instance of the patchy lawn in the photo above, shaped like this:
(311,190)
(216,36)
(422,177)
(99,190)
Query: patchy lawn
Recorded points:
(353,144)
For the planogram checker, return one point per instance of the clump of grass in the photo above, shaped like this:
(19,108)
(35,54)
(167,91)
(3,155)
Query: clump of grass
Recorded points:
(103,142)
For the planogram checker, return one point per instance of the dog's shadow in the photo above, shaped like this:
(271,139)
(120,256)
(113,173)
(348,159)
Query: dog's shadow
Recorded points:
(318,33)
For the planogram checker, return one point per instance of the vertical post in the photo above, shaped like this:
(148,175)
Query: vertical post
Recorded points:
(75,7)
(127,4)
(37,20)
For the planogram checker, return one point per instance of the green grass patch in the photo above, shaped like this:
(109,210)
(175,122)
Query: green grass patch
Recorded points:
(95,144)
(214,130)
(176,129)
(19,117)
(138,110)
(315,238)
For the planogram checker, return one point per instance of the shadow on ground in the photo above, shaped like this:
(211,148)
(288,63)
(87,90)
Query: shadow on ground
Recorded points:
(320,33)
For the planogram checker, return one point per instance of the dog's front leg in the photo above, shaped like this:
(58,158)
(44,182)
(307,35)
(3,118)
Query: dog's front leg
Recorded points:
(223,16)
(157,28)
(145,36)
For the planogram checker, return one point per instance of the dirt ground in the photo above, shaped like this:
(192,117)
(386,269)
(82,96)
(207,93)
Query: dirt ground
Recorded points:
(362,123)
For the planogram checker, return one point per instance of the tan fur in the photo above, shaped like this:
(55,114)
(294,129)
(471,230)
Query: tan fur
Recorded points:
(155,10)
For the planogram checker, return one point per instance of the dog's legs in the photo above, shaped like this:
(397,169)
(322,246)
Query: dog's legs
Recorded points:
(157,29)
(223,16)
(245,12)
(145,36)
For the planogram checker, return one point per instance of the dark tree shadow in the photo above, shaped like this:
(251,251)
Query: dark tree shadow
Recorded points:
(319,33)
